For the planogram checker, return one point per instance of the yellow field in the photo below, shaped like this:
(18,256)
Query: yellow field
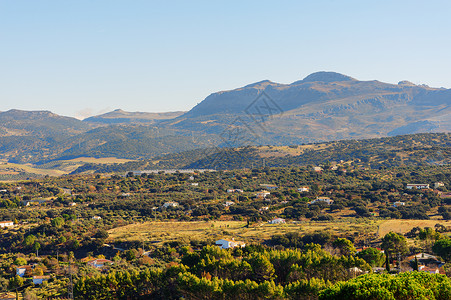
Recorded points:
(29,169)
(105,160)
(404,226)
(159,232)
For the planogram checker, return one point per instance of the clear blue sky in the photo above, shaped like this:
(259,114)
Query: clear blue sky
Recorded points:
(79,58)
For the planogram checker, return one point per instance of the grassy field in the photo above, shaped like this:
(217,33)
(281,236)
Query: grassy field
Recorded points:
(105,160)
(160,232)
(404,226)
(10,168)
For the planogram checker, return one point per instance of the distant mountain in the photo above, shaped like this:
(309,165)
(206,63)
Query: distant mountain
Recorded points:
(324,106)
(119,116)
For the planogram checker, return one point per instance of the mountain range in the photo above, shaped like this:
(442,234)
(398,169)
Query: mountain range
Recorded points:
(324,106)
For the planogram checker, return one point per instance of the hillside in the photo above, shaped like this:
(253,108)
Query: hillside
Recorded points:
(119,116)
(409,150)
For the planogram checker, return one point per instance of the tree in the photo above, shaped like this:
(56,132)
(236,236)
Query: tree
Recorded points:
(345,246)
(57,222)
(394,243)
(372,256)
(36,247)
(443,249)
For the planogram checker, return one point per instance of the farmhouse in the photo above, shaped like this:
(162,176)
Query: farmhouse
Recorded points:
(399,203)
(21,270)
(438,184)
(304,189)
(226,244)
(417,186)
(228,203)
(263,194)
(322,199)
(6,224)
(277,221)
(171,204)
(234,191)
(99,263)
(97,218)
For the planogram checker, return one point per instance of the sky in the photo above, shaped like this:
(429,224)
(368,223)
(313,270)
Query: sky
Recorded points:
(81,58)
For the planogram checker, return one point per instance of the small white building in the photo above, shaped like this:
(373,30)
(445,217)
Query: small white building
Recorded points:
(438,184)
(234,191)
(171,204)
(99,263)
(263,194)
(264,208)
(4,224)
(21,270)
(399,203)
(97,218)
(40,279)
(417,186)
(304,189)
(228,203)
(277,221)
(322,199)
(226,244)
(194,183)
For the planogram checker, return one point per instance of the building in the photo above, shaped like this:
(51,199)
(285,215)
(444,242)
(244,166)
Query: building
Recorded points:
(226,243)
(322,199)
(277,221)
(195,184)
(40,279)
(6,224)
(264,208)
(34,202)
(97,218)
(171,204)
(263,194)
(234,191)
(438,185)
(99,263)
(399,203)
(303,189)
(417,186)
(22,270)
(228,203)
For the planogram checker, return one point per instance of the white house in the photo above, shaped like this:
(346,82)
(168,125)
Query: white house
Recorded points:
(40,279)
(97,218)
(226,244)
(171,204)
(399,203)
(277,221)
(234,191)
(263,194)
(6,224)
(322,199)
(228,203)
(438,184)
(417,186)
(99,263)
(195,184)
(21,270)
(304,189)
(264,208)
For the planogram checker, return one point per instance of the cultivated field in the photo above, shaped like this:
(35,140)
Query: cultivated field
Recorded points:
(160,232)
